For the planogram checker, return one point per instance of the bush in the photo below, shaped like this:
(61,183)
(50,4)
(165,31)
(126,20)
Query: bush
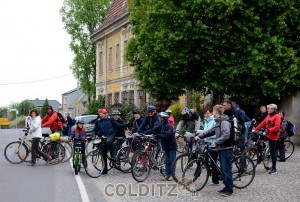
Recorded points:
(176,112)
(125,109)
(95,105)
(18,122)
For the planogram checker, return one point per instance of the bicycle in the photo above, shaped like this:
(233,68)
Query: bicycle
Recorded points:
(152,157)
(95,161)
(77,157)
(69,150)
(191,152)
(17,152)
(197,171)
(182,144)
(289,148)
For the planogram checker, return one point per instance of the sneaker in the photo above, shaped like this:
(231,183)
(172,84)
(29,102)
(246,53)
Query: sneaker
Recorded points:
(273,171)
(167,178)
(214,184)
(222,190)
(31,164)
(227,193)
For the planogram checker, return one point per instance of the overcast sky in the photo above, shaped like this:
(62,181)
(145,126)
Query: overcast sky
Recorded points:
(33,51)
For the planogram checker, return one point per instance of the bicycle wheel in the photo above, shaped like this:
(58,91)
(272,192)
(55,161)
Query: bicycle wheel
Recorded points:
(141,166)
(289,148)
(195,175)
(89,146)
(94,164)
(123,158)
(15,152)
(56,151)
(162,164)
(267,159)
(69,151)
(76,163)
(178,166)
(252,153)
(243,171)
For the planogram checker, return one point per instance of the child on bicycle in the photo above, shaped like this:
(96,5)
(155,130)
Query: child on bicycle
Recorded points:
(79,134)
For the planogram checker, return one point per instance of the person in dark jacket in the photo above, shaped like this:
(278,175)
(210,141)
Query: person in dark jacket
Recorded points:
(223,146)
(282,136)
(105,126)
(261,115)
(150,121)
(69,124)
(165,132)
(138,120)
(116,114)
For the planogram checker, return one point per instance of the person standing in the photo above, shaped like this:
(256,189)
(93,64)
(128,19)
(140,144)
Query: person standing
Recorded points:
(164,131)
(35,130)
(261,115)
(69,124)
(171,118)
(282,136)
(209,123)
(138,120)
(224,146)
(272,128)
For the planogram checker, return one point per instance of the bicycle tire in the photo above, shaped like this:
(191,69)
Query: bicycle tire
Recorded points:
(123,158)
(178,166)
(243,171)
(15,152)
(162,164)
(267,159)
(56,151)
(195,175)
(69,151)
(94,164)
(89,146)
(141,164)
(289,148)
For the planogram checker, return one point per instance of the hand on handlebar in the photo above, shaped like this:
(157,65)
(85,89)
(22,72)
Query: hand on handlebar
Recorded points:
(69,139)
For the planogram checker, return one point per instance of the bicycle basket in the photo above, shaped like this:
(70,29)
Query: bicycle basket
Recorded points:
(54,137)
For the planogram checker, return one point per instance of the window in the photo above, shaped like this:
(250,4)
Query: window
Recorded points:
(65,100)
(109,99)
(100,63)
(117,56)
(125,61)
(110,59)
(131,97)
(116,98)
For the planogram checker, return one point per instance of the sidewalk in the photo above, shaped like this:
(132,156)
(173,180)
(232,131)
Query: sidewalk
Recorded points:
(283,186)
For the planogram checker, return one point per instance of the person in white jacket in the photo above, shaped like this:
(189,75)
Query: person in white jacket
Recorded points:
(35,130)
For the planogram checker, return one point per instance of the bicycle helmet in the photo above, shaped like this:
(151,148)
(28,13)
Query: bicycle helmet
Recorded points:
(169,111)
(185,111)
(79,120)
(116,112)
(151,107)
(163,115)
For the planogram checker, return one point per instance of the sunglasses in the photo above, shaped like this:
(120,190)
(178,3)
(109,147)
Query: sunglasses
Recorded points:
(150,111)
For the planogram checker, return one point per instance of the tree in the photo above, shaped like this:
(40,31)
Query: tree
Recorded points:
(3,111)
(81,18)
(245,49)
(25,107)
(95,105)
(44,107)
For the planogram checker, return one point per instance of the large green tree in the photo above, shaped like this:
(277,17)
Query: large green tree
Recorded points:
(81,18)
(25,107)
(245,49)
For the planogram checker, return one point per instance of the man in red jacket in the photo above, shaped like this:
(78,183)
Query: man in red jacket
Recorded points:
(272,125)
(52,120)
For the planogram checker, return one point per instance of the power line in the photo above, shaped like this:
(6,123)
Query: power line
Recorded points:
(24,82)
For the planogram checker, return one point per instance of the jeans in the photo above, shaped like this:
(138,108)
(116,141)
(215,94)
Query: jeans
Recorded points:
(170,158)
(247,127)
(225,157)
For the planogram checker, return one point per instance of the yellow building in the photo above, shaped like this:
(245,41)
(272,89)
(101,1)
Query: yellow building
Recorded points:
(115,78)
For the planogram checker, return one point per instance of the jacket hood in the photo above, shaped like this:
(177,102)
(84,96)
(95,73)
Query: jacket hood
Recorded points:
(209,119)
(222,118)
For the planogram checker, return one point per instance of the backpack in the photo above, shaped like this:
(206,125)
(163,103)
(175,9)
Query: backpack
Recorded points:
(290,129)
(61,117)
(234,133)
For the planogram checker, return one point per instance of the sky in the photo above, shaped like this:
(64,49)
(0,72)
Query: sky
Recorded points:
(34,52)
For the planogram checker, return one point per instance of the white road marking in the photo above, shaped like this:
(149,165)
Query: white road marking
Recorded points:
(82,190)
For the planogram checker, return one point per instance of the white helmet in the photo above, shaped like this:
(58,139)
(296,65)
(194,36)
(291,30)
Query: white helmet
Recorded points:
(169,111)
(185,111)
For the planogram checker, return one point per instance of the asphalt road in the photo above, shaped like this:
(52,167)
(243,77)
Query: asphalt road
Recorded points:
(41,183)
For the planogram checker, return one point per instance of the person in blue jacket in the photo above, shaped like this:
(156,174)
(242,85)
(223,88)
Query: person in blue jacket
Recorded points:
(165,132)
(150,121)
(106,127)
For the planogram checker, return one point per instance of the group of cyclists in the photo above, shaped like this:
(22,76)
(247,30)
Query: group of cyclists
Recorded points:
(215,131)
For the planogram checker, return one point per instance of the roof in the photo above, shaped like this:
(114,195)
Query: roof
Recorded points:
(39,103)
(118,10)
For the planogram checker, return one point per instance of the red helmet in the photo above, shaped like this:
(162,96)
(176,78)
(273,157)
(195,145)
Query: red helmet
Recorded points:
(103,111)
